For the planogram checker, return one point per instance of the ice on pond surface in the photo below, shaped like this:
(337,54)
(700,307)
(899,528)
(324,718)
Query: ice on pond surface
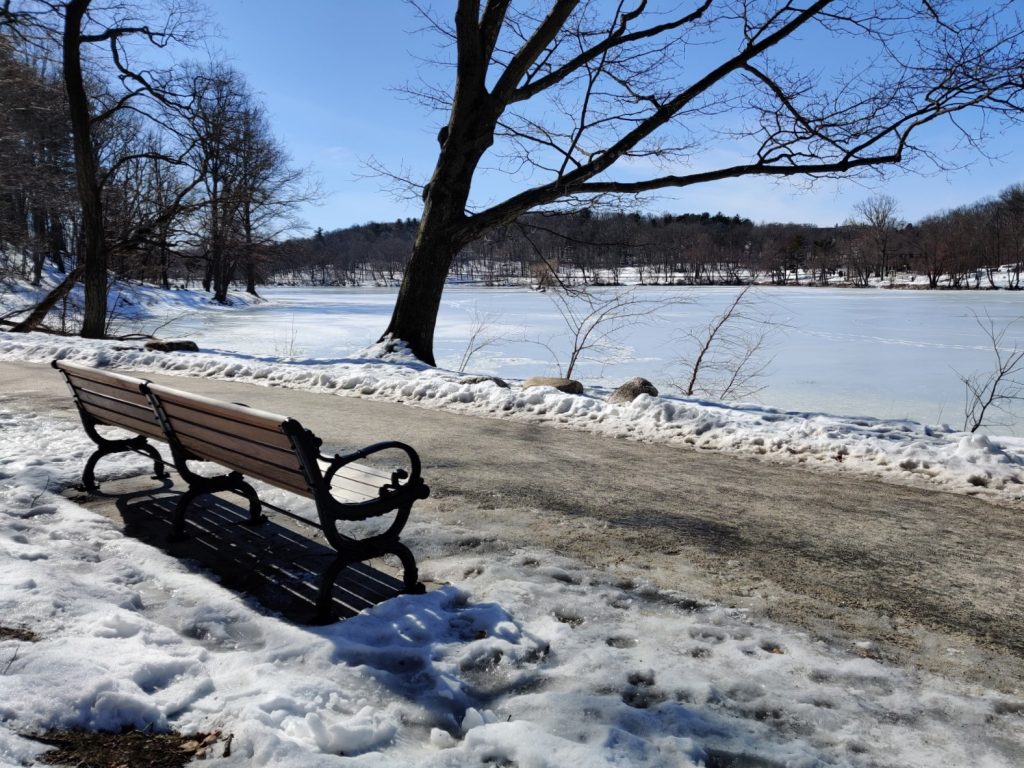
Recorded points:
(890,354)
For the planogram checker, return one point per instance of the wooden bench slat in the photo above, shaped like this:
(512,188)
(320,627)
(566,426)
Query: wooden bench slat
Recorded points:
(356,482)
(298,490)
(340,486)
(137,411)
(382,475)
(245,464)
(214,430)
(113,418)
(110,389)
(352,480)
(362,473)
(256,451)
(100,376)
(228,411)
(204,450)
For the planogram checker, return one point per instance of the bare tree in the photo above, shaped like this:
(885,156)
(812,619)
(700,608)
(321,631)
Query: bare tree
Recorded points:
(214,140)
(1000,389)
(250,192)
(878,214)
(126,85)
(35,194)
(932,249)
(117,27)
(727,359)
(482,334)
(1011,211)
(571,94)
(593,320)
(269,191)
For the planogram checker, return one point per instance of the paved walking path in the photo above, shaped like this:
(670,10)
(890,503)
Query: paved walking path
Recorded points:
(931,578)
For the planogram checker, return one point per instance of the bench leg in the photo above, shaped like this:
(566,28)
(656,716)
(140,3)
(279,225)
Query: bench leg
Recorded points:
(89,473)
(199,486)
(178,521)
(256,516)
(411,577)
(159,471)
(109,448)
(324,595)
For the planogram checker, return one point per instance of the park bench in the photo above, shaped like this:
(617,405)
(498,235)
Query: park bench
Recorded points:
(252,444)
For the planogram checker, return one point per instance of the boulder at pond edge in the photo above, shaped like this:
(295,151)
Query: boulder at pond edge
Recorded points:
(569,386)
(629,391)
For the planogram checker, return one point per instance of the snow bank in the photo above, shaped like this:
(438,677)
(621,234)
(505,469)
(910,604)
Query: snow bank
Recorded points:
(901,451)
(129,304)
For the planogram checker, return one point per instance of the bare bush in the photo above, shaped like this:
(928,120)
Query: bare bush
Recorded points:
(595,320)
(728,358)
(1000,389)
(482,334)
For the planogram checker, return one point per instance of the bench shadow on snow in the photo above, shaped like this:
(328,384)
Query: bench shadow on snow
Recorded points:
(276,563)
(275,566)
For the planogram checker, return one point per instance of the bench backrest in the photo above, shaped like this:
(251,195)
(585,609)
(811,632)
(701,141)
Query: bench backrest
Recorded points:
(112,399)
(236,436)
(245,439)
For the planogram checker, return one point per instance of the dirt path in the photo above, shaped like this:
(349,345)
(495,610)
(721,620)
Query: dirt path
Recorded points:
(911,576)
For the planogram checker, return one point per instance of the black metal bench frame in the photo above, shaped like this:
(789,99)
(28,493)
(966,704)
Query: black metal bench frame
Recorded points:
(396,494)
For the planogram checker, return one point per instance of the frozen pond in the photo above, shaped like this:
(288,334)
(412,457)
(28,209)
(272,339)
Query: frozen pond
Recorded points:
(887,354)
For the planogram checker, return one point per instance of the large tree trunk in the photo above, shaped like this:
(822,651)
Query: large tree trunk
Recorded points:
(207,281)
(419,298)
(223,274)
(250,276)
(444,229)
(94,325)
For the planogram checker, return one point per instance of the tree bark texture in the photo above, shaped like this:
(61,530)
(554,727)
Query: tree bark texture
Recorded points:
(86,175)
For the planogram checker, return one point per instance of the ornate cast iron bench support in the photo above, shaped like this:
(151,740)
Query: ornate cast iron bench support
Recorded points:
(106,446)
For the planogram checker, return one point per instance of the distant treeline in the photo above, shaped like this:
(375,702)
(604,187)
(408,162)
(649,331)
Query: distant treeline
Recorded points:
(961,248)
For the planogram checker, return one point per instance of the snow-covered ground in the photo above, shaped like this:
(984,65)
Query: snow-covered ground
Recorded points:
(522,659)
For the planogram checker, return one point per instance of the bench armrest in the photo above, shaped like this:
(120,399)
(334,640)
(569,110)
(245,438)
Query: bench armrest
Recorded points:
(411,477)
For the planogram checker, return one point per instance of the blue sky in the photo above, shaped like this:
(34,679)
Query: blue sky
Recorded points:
(328,71)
